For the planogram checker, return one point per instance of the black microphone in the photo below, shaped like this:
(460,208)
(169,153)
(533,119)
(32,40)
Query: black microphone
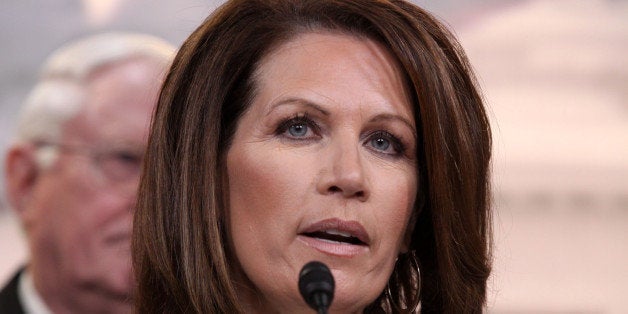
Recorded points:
(316,285)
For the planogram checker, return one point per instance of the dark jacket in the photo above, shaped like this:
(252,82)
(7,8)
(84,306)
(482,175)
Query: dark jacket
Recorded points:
(9,301)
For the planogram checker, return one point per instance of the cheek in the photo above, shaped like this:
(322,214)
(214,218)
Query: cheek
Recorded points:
(54,223)
(253,184)
(261,194)
(80,211)
(264,198)
(398,196)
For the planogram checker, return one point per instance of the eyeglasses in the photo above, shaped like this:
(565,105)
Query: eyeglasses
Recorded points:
(117,165)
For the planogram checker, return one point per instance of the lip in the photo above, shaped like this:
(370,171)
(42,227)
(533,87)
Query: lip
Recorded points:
(353,228)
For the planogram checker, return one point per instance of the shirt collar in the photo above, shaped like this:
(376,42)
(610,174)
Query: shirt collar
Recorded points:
(30,299)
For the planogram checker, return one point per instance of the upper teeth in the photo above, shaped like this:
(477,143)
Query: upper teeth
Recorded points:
(339,233)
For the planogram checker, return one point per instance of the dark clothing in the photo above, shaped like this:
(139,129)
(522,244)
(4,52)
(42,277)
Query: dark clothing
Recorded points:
(9,300)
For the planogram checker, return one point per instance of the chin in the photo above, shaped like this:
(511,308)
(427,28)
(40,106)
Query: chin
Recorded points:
(350,299)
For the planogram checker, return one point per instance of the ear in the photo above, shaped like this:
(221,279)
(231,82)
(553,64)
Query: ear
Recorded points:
(22,172)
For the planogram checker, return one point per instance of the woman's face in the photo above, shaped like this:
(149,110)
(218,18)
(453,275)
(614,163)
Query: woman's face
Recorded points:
(322,167)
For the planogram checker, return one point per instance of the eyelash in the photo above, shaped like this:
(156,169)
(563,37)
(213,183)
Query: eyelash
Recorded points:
(303,119)
(395,142)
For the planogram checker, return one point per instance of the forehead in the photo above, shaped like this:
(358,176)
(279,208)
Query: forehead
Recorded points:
(318,48)
(118,102)
(335,68)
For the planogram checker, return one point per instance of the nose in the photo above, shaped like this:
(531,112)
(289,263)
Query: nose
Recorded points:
(343,173)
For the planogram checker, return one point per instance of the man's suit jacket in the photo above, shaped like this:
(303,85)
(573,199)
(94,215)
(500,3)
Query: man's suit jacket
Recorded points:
(9,300)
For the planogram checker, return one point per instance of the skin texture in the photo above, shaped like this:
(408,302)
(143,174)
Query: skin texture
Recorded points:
(310,148)
(77,219)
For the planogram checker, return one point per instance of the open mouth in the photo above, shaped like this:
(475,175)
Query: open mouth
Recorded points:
(335,236)
(337,231)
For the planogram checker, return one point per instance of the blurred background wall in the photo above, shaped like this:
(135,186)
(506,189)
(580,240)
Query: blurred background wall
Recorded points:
(555,77)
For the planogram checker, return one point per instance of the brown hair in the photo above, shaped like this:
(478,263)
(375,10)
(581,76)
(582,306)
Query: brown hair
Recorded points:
(179,248)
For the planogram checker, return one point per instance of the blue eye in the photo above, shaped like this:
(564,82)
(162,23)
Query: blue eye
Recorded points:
(380,143)
(385,143)
(298,129)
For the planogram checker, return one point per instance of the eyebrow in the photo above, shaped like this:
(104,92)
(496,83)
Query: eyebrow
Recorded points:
(306,103)
(388,117)
(298,101)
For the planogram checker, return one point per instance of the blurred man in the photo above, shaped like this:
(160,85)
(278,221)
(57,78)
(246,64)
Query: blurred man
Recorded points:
(73,171)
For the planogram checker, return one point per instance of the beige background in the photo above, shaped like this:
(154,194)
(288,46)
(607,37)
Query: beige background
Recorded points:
(555,77)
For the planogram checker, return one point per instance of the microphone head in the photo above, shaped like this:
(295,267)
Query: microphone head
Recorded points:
(316,284)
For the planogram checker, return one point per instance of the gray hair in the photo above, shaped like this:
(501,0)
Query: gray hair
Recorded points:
(59,94)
